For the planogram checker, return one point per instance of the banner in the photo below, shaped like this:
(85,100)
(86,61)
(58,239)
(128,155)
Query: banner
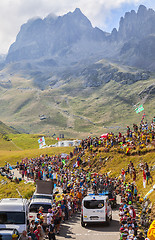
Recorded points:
(139,109)
(42,144)
(41,140)
(149,192)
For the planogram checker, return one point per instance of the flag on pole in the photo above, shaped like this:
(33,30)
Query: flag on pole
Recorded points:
(41,140)
(42,144)
(143,116)
(139,109)
(63,161)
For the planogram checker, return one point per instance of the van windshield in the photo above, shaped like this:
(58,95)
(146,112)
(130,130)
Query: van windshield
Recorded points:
(35,208)
(94,204)
(12,218)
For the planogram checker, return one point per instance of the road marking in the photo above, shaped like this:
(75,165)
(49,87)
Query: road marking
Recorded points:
(97,234)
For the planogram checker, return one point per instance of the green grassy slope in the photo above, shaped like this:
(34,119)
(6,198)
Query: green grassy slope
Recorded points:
(74,109)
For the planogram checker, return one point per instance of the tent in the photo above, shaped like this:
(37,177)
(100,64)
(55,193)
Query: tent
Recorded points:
(105,135)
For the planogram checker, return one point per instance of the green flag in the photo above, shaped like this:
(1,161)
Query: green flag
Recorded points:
(63,161)
(139,109)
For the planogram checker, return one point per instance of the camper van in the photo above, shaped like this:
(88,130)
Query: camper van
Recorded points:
(95,209)
(14,214)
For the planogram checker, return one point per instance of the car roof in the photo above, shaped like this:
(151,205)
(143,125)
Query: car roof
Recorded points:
(13,204)
(95,197)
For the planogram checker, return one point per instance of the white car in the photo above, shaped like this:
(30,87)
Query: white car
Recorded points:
(95,209)
(34,206)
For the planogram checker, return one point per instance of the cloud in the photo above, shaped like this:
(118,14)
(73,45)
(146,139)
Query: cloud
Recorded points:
(13,13)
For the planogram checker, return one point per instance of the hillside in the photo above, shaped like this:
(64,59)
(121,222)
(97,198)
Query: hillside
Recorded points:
(113,162)
(95,99)
(62,75)
(4,129)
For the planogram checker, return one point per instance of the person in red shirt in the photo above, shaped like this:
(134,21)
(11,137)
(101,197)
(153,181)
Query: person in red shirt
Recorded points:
(123,175)
(37,232)
(144,179)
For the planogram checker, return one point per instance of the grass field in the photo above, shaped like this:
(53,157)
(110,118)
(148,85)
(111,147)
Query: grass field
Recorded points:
(116,161)
(71,107)
(26,145)
(29,141)
(16,156)
(9,189)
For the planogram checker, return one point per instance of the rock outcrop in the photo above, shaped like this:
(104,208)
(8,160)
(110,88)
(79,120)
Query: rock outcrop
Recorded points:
(71,39)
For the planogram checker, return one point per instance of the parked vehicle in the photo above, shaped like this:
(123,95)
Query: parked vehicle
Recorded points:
(14,214)
(96,209)
(9,234)
(34,206)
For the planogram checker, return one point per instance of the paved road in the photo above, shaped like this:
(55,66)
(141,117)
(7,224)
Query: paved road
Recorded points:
(72,229)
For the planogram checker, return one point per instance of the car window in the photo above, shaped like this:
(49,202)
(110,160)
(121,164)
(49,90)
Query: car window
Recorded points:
(94,204)
(12,217)
(35,207)
(5,236)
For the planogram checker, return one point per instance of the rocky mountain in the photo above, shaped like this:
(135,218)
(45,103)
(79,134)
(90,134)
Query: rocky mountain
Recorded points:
(137,32)
(68,39)
(136,26)
(78,76)
(56,38)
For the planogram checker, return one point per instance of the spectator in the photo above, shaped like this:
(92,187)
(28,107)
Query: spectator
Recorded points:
(32,234)
(24,236)
(51,230)
(37,232)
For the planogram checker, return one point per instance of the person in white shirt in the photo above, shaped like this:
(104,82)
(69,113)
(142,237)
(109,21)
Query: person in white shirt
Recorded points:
(49,216)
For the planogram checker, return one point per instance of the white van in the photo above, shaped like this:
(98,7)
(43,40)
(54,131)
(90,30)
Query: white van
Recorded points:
(14,214)
(34,206)
(96,209)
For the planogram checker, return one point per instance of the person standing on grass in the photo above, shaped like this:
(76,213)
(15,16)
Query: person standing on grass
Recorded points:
(134,175)
(135,192)
(144,179)
(123,175)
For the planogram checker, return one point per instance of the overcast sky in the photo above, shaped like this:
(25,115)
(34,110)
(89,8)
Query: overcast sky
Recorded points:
(104,14)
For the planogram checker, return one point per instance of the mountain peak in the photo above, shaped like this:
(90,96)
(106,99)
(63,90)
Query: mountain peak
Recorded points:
(141,10)
(77,11)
